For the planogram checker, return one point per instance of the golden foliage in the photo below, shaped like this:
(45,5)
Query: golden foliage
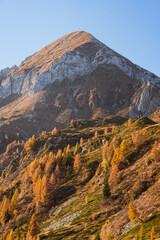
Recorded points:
(44,191)
(141,233)
(81,142)
(106,131)
(96,134)
(86,199)
(77,162)
(155,151)
(54,131)
(129,122)
(13,203)
(32,228)
(132,213)
(104,154)
(4,208)
(10,235)
(152,233)
(30,144)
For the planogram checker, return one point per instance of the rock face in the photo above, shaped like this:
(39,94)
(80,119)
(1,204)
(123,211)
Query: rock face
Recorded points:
(76,76)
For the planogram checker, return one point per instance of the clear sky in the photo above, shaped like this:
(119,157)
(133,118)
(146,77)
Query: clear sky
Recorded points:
(130,27)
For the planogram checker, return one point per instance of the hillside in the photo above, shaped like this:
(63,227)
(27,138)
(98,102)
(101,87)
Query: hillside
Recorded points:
(79,182)
(75,77)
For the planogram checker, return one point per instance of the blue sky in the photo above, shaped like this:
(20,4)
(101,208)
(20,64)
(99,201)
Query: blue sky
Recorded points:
(130,27)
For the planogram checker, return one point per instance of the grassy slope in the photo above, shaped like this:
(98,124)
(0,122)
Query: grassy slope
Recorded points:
(139,183)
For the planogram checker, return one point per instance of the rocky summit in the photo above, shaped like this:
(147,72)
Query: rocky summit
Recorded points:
(74,77)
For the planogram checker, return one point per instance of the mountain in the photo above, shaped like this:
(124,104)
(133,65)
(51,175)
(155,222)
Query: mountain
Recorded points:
(96,179)
(74,77)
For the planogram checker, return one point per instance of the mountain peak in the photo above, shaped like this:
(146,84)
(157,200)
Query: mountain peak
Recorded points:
(56,50)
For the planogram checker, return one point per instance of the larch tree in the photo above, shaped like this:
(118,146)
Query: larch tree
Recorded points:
(81,142)
(106,131)
(132,213)
(152,233)
(37,191)
(38,174)
(57,171)
(44,191)
(106,188)
(52,180)
(4,209)
(155,151)
(104,154)
(77,162)
(32,228)
(13,203)
(141,233)
(129,122)
(96,134)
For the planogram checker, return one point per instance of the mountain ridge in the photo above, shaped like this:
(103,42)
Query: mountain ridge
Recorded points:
(74,77)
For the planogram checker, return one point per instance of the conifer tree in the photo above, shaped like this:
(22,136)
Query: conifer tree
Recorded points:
(52,180)
(129,122)
(141,233)
(57,171)
(155,151)
(123,148)
(86,199)
(114,143)
(10,235)
(37,190)
(132,213)
(97,237)
(104,154)
(17,238)
(96,134)
(4,210)
(32,228)
(13,203)
(106,131)
(44,191)
(106,188)
(38,174)
(152,233)
(77,162)
(81,142)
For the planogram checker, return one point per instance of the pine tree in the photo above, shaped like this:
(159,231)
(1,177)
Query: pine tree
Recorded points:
(129,122)
(141,233)
(96,134)
(77,162)
(106,131)
(37,190)
(104,154)
(123,150)
(13,203)
(32,228)
(152,233)
(52,180)
(29,145)
(57,171)
(132,213)
(17,238)
(106,188)
(4,210)
(114,143)
(38,174)
(81,142)
(44,191)
(86,199)
(10,235)
(97,237)
(154,151)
